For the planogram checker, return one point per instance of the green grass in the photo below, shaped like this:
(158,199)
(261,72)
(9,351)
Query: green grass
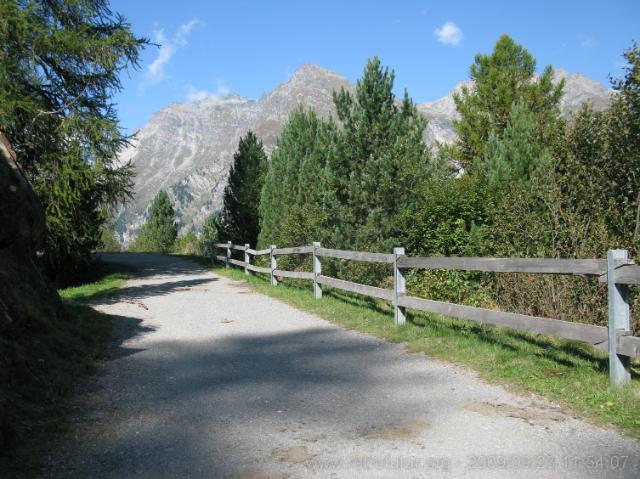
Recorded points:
(571,373)
(47,363)
(109,279)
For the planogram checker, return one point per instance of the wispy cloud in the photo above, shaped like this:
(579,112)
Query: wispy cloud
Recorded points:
(448,34)
(195,94)
(155,72)
(586,41)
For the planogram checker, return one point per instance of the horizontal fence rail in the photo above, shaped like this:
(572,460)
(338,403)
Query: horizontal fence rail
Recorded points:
(594,267)
(295,250)
(258,269)
(624,274)
(359,288)
(293,274)
(553,327)
(617,271)
(355,255)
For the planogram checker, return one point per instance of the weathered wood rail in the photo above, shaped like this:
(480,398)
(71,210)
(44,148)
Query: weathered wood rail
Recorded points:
(618,271)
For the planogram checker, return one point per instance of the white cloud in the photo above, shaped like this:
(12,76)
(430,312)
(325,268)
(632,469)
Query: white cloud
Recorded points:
(449,34)
(194,94)
(586,41)
(168,46)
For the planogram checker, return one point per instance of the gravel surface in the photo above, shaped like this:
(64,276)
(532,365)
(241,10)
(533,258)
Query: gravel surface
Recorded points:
(208,379)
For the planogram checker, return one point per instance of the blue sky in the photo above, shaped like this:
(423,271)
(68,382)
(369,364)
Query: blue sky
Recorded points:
(248,47)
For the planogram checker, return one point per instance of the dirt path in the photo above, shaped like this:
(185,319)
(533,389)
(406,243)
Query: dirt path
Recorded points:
(211,380)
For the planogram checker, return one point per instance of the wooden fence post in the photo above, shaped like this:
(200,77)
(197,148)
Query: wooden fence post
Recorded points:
(619,318)
(317,270)
(399,288)
(274,265)
(246,258)
(228,254)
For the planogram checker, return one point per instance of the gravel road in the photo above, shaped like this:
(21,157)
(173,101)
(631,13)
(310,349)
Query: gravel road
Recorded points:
(208,379)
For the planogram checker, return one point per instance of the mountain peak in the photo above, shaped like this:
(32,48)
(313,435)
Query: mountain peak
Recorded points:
(311,85)
(310,69)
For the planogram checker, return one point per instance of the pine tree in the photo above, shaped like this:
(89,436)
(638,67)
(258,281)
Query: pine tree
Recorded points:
(59,66)
(239,222)
(160,231)
(294,184)
(516,155)
(501,79)
(381,162)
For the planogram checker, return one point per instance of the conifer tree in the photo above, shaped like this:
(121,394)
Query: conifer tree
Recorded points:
(60,63)
(504,77)
(516,155)
(239,222)
(294,184)
(160,231)
(382,159)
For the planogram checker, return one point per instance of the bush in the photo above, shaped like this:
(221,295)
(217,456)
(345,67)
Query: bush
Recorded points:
(189,243)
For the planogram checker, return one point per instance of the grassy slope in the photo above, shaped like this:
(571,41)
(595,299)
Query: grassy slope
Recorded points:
(68,349)
(572,373)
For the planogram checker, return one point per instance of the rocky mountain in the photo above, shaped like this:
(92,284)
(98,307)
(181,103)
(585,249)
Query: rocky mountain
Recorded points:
(187,148)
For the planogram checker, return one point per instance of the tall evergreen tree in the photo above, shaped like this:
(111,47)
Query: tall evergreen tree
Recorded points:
(502,78)
(160,231)
(60,63)
(382,160)
(239,222)
(295,181)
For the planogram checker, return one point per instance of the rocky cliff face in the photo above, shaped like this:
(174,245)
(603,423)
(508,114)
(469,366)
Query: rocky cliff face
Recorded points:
(187,148)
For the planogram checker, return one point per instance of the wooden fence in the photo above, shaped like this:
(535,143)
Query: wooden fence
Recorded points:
(618,271)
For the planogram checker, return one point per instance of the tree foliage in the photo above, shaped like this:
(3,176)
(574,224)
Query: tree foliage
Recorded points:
(160,231)
(109,239)
(239,222)
(295,187)
(516,155)
(502,78)
(381,162)
(60,63)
